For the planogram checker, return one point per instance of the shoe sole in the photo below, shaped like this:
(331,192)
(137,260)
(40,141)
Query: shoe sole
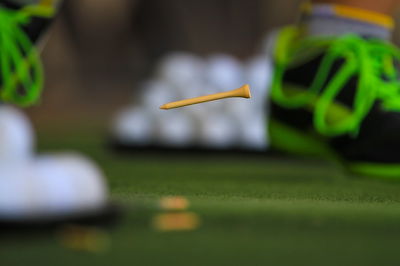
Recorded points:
(292,141)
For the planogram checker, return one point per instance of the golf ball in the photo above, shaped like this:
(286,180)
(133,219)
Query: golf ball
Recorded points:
(134,125)
(16,134)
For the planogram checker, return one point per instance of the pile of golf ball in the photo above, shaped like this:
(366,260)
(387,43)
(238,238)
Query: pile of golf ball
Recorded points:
(43,187)
(227,124)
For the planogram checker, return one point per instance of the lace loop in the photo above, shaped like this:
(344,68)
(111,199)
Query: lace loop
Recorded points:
(21,68)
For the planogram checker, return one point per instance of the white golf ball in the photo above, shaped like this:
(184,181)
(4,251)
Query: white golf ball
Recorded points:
(224,72)
(134,126)
(17,200)
(180,69)
(50,186)
(258,73)
(239,108)
(68,184)
(156,93)
(253,134)
(192,90)
(218,131)
(16,134)
(175,129)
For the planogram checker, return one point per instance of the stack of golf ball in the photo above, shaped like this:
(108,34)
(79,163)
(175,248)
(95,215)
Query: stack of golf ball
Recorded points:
(47,186)
(226,124)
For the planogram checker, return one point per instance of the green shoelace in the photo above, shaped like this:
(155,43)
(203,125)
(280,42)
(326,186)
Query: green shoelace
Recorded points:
(21,68)
(370,60)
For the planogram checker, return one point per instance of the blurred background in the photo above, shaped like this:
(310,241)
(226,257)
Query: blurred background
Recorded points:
(101,52)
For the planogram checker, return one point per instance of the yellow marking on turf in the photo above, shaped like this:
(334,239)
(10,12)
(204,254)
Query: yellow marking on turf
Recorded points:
(174,203)
(169,222)
(80,238)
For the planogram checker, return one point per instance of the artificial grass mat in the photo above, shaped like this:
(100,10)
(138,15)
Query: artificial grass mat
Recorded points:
(254,210)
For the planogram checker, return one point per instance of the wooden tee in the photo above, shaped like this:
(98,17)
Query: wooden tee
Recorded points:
(243,92)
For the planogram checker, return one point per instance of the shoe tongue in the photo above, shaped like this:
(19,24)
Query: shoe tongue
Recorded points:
(337,20)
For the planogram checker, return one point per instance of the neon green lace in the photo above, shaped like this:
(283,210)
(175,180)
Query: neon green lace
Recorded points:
(369,60)
(21,68)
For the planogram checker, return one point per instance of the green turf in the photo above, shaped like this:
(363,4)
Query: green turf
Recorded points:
(254,211)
